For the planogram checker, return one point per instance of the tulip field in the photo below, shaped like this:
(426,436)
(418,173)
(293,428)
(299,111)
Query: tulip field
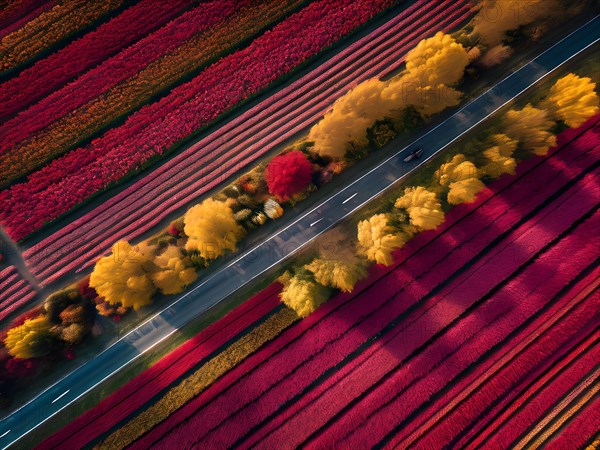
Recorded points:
(67,179)
(482,333)
(179,181)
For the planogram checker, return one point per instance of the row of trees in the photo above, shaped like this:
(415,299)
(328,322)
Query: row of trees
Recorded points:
(530,130)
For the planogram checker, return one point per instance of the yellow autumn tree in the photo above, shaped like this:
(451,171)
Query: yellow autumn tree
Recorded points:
(337,273)
(464,191)
(438,60)
(378,240)
(457,169)
(422,206)
(175,271)
(500,156)
(496,17)
(530,126)
(212,229)
(125,275)
(573,99)
(303,295)
(30,340)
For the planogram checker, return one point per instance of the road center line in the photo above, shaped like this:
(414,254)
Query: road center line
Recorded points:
(349,198)
(314,223)
(61,396)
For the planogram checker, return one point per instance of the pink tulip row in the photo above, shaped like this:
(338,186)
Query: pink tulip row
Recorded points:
(14,291)
(111,72)
(86,52)
(383,370)
(326,335)
(548,339)
(177,182)
(141,389)
(69,180)
(16,16)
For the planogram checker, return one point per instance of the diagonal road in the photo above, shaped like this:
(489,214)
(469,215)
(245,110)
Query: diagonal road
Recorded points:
(278,247)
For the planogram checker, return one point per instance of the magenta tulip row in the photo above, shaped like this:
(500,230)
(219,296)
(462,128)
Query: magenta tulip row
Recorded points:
(149,383)
(111,72)
(83,54)
(254,398)
(145,203)
(537,347)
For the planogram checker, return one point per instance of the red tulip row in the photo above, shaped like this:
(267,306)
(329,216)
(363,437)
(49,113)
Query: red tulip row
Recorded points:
(141,389)
(140,206)
(52,72)
(19,13)
(14,291)
(250,398)
(49,28)
(98,82)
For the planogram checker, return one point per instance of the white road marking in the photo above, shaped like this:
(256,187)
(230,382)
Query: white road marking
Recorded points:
(5,433)
(314,223)
(349,198)
(61,396)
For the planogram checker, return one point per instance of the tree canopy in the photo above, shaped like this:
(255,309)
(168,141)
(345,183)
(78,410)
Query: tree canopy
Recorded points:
(573,99)
(423,208)
(288,174)
(378,240)
(303,295)
(125,275)
(337,273)
(531,126)
(30,340)
(212,229)
(175,271)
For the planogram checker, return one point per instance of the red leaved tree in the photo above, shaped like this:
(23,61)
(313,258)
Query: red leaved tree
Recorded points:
(288,174)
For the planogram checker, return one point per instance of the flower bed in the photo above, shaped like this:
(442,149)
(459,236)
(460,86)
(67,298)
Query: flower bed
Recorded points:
(151,131)
(178,182)
(374,363)
(52,72)
(61,21)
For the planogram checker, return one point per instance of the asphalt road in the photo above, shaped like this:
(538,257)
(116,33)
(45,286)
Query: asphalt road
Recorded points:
(286,242)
